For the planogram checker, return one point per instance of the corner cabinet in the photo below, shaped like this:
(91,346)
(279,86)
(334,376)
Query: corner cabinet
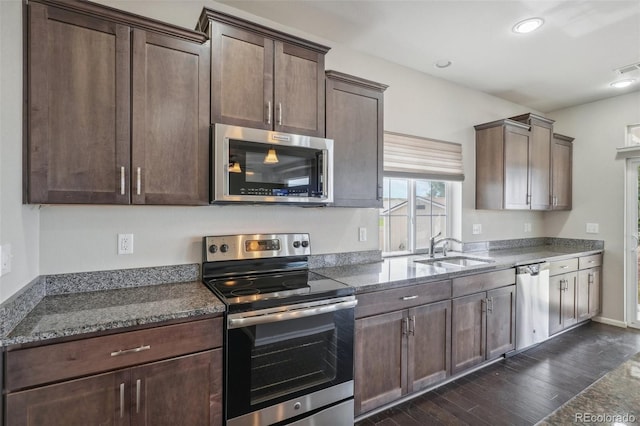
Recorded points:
(116,108)
(262,78)
(354,120)
(561,172)
(517,168)
(402,342)
(160,376)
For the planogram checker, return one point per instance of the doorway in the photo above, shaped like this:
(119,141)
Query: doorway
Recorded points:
(632,235)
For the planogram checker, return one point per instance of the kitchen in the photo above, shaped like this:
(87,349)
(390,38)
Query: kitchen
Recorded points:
(59,239)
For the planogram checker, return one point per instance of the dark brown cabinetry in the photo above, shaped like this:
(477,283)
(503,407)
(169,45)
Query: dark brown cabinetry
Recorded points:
(402,351)
(264,79)
(561,172)
(482,323)
(563,286)
(514,168)
(354,120)
(85,142)
(75,383)
(589,287)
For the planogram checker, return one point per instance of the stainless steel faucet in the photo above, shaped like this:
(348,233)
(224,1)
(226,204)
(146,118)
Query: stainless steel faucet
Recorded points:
(433,243)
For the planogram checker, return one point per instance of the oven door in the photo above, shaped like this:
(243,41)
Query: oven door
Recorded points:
(299,355)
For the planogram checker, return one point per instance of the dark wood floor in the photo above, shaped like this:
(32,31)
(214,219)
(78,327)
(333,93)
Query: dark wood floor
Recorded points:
(523,389)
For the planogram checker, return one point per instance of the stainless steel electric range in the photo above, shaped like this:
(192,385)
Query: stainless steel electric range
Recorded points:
(288,332)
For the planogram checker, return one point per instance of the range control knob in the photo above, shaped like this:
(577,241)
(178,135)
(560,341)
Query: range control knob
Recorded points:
(296,244)
(305,243)
(224,248)
(213,248)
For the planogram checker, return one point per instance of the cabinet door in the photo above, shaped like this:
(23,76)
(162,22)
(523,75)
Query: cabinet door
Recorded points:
(569,300)
(170,157)
(561,174)
(429,343)
(95,400)
(594,291)
(299,90)
(79,104)
(468,325)
(501,336)
(354,122)
(241,77)
(186,390)
(582,295)
(516,168)
(380,360)
(556,289)
(540,168)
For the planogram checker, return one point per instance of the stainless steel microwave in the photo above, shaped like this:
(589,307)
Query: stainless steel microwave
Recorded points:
(261,166)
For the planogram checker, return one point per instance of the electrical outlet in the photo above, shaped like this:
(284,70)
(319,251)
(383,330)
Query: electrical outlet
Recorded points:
(593,228)
(527,227)
(477,229)
(5,259)
(125,243)
(362,234)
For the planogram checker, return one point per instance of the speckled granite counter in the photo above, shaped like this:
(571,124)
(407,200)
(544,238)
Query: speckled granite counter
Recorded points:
(404,270)
(611,400)
(76,313)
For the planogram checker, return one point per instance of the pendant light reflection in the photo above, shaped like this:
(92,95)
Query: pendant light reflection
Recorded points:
(271,157)
(234,167)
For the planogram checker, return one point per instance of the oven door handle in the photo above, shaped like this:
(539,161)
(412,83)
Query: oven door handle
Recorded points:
(289,315)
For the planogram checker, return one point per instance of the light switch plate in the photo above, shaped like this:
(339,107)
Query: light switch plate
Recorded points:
(593,228)
(477,229)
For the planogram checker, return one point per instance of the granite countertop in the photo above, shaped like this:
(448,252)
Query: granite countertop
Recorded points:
(77,313)
(404,270)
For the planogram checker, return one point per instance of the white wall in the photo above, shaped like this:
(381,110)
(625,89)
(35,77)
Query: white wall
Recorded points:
(598,185)
(18,224)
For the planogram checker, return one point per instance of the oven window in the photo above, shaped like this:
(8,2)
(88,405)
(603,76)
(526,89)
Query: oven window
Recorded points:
(292,355)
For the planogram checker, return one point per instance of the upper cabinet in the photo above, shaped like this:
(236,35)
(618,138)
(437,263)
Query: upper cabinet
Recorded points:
(514,168)
(264,79)
(355,123)
(117,108)
(561,171)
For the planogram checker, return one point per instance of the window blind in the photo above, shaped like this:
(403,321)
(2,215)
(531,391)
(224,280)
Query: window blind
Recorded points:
(422,158)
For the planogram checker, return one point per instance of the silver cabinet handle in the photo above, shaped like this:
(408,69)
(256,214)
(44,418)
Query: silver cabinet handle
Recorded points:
(528,199)
(564,266)
(121,400)
(409,297)
(138,172)
(237,320)
(122,180)
(131,351)
(138,396)
(269,112)
(412,329)
(405,326)
(279,113)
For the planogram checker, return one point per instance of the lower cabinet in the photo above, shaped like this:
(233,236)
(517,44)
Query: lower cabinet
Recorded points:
(184,389)
(402,351)
(482,327)
(588,297)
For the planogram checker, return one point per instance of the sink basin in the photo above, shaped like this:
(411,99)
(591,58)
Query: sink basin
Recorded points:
(454,261)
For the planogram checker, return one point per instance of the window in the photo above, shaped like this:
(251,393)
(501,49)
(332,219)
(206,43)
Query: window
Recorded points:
(413,211)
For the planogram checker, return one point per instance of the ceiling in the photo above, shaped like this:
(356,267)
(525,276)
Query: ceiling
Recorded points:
(569,61)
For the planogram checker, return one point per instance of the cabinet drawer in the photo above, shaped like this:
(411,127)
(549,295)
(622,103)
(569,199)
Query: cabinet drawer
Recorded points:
(562,266)
(592,261)
(61,361)
(401,298)
(483,282)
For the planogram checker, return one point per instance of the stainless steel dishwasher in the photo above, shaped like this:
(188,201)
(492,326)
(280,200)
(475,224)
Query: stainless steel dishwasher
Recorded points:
(532,304)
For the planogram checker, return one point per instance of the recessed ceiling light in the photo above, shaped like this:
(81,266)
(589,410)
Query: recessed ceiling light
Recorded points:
(621,84)
(528,25)
(443,63)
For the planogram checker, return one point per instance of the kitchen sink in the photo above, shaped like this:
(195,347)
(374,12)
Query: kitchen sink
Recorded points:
(454,261)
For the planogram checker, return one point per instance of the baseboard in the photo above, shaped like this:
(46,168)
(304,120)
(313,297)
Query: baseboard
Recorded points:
(610,321)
